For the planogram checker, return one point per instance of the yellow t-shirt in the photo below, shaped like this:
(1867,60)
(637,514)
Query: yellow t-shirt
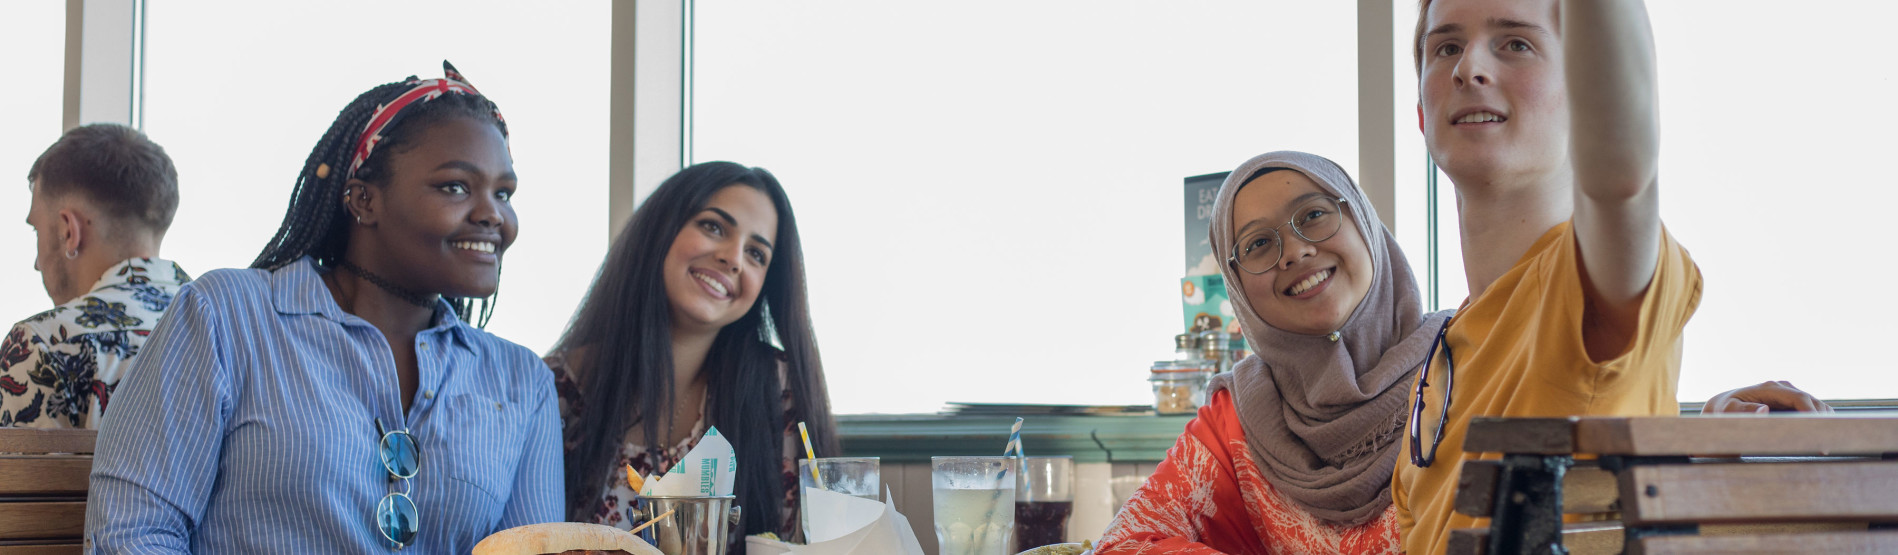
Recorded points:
(1519,352)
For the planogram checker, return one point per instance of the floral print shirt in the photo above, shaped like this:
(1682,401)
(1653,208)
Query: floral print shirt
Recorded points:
(614,505)
(58,367)
(1210,497)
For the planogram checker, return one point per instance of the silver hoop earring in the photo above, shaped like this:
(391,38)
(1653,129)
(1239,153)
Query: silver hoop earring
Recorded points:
(72,254)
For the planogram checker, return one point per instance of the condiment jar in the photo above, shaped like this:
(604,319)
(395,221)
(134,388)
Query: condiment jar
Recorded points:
(1179,386)
(1216,348)
(1186,347)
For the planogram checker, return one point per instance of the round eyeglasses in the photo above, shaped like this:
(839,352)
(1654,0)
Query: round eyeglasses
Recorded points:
(1417,454)
(396,516)
(1259,250)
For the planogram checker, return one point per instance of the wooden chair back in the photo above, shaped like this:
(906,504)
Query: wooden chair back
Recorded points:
(1788,483)
(43,476)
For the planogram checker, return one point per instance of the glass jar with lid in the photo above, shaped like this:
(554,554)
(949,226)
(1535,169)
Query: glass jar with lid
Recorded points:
(1186,346)
(1216,349)
(1179,386)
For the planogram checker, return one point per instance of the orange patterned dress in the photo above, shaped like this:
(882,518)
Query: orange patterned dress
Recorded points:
(1209,496)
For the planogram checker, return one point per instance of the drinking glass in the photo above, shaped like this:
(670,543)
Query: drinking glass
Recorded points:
(856,476)
(1044,499)
(687,524)
(974,499)
(1124,488)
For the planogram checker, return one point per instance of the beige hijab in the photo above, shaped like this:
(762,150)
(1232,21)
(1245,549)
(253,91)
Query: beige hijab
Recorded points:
(1323,416)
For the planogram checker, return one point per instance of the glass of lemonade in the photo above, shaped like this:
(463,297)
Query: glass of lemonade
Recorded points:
(855,476)
(975,504)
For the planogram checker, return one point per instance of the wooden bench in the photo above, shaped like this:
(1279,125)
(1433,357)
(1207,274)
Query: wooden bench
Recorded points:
(1789,483)
(43,476)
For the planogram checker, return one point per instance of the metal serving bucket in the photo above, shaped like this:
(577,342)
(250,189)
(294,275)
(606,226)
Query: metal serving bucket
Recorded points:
(698,525)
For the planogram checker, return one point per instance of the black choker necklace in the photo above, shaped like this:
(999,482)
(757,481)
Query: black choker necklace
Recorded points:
(412,297)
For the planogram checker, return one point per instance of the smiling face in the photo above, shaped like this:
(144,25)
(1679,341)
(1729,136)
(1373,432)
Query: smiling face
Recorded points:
(1492,92)
(443,220)
(717,263)
(1315,286)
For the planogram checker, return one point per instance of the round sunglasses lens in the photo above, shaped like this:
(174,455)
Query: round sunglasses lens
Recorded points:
(396,519)
(400,454)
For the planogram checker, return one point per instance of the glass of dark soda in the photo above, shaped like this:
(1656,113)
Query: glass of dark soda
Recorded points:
(1044,499)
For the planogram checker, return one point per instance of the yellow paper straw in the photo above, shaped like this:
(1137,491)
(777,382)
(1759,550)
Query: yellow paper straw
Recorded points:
(811,454)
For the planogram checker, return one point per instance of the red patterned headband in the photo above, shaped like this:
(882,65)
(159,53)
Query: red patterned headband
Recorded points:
(420,91)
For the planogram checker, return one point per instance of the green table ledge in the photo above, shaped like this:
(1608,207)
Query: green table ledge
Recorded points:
(901,438)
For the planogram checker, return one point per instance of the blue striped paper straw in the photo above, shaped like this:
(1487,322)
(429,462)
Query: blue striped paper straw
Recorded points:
(1014,439)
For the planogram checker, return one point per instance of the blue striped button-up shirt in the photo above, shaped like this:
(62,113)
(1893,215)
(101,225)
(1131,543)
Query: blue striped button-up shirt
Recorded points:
(248,427)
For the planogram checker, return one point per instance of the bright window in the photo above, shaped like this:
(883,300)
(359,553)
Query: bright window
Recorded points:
(239,92)
(1776,137)
(990,192)
(33,34)
(1776,142)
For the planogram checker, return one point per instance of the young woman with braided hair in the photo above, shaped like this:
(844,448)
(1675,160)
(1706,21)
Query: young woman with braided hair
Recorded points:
(307,229)
(334,398)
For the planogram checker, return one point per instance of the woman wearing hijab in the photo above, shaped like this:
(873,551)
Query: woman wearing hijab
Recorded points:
(1294,451)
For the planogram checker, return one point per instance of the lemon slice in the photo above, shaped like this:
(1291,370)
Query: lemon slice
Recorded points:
(633,479)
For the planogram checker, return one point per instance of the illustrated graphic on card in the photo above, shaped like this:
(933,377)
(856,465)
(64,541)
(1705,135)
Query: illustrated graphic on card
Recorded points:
(708,469)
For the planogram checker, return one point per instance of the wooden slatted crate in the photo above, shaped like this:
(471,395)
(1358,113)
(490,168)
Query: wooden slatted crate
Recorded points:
(1807,483)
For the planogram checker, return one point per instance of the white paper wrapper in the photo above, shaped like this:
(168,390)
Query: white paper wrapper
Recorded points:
(759,545)
(842,514)
(709,469)
(879,530)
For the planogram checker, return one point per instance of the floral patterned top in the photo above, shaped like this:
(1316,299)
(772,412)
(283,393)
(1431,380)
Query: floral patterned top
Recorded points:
(58,368)
(614,507)
(1209,496)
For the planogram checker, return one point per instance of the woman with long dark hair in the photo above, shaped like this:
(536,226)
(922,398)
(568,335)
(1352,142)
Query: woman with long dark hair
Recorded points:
(698,318)
(335,398)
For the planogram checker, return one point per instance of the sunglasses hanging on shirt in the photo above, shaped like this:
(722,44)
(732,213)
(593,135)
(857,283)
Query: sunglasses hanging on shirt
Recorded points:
(1417,454)
(396,517)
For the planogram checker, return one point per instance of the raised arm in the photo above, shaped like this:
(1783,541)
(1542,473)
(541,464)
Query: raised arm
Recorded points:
(1614,146)
(157,457)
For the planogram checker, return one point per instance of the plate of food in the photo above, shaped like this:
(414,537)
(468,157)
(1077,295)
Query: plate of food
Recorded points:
(564,538)
(1083,548)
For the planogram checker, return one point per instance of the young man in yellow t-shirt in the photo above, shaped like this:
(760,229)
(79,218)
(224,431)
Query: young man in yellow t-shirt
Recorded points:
(1543,113)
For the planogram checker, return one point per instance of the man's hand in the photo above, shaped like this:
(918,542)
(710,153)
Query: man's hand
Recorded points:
(1763,398)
